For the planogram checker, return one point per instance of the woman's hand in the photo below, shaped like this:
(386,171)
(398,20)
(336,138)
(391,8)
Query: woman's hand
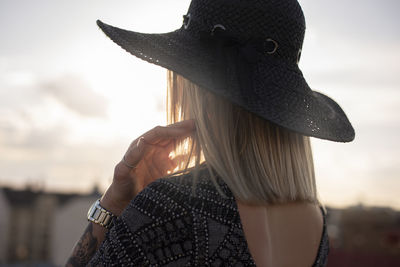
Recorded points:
(149,154)
(149,157)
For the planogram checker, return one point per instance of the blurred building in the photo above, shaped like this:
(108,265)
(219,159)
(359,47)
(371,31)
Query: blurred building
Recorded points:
(39,227)
(69,223)
(364,236)
(4,223)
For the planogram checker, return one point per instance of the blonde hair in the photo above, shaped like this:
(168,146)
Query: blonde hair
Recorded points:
(261,163)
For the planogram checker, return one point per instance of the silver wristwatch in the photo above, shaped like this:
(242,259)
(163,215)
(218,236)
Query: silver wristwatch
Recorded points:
(100,215)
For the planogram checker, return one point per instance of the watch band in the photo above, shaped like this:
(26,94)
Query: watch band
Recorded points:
(100,215)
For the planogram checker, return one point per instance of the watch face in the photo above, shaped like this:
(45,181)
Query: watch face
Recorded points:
(92,208)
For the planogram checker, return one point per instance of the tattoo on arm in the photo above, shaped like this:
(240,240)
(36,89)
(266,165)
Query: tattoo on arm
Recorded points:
(84,249)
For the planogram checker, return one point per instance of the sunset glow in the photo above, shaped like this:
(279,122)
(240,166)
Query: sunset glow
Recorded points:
(71,100)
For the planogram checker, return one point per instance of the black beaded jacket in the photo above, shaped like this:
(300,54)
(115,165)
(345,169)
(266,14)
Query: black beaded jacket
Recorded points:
(166,225)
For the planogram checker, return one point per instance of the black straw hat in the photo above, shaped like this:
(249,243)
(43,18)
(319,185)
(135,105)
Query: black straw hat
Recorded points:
(248,52)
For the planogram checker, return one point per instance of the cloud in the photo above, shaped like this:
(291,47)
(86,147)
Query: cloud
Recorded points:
(44,155)
(75,94)
(20,133)
(35,151)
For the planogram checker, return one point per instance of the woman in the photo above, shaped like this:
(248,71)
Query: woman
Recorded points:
(240,190)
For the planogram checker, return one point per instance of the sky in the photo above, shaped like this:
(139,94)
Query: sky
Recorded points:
(71,101)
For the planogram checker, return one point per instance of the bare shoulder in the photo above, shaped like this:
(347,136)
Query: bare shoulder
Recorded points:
(293,229)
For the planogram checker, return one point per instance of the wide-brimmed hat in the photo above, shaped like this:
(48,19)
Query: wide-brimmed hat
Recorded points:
(247,52)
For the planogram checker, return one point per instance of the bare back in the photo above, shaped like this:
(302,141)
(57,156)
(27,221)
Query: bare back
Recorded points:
(282,235)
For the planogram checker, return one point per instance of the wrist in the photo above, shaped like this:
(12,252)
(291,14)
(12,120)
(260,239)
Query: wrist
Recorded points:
(110,202)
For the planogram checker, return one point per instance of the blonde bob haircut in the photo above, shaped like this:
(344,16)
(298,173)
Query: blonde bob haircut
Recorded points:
(261,163)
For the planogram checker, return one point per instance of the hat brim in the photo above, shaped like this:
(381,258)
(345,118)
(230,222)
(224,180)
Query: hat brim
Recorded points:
(288,100)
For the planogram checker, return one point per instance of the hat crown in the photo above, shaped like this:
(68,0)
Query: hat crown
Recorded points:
(279,20)
(247,52)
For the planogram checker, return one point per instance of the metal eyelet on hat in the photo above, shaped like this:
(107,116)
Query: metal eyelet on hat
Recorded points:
(217,26)
(299,55)
(186,20)
(276,45)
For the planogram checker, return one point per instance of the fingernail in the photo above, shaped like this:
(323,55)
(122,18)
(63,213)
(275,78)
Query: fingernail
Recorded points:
(140,142)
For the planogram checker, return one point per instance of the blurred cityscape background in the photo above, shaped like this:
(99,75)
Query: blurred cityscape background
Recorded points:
(40,228)
(71,101)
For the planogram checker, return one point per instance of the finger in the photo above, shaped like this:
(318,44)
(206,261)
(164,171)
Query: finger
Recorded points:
(167,165)
(180,129)
(144,175)
(160,133)
(154,172)
(179,158)
(167,145)
(191,124)
(171,146)
(151,136)
(171,142)
(174,164)
(162,153)
(136,152)
(171,163)
(162,164)
(165,142)
(140,146)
